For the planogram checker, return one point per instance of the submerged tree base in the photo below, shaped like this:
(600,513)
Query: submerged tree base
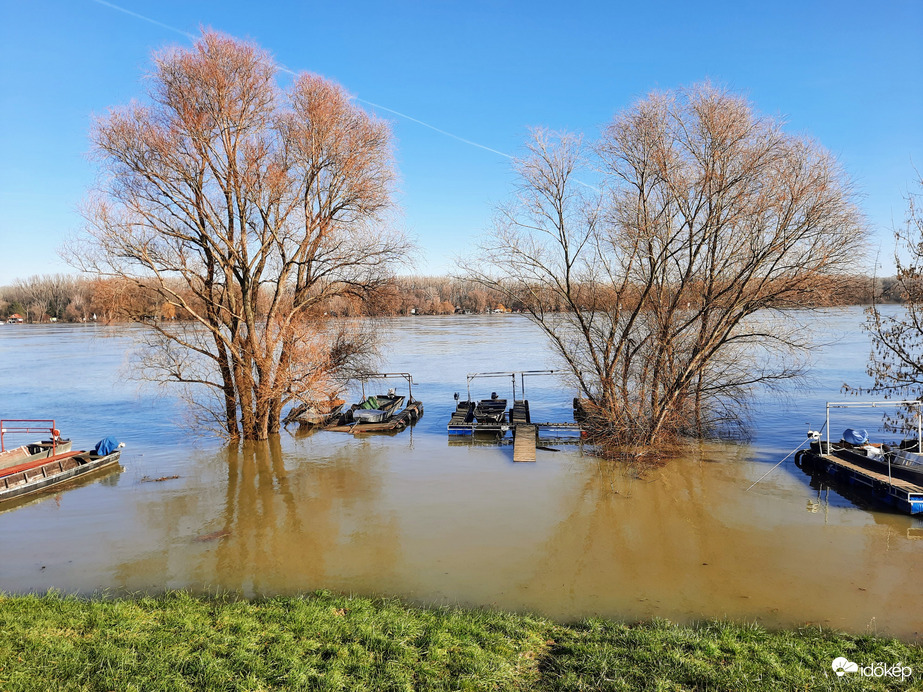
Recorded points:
(328,642)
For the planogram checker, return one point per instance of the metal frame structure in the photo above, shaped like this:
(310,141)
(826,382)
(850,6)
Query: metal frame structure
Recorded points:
(512,375)
(387,376)
(51,430)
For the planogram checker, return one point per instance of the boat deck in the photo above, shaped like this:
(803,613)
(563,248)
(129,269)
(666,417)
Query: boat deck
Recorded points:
(902,494)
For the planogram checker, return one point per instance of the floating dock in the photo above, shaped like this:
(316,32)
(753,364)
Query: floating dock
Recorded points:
(897,492)
(488,418)
(348,421)
(410,415)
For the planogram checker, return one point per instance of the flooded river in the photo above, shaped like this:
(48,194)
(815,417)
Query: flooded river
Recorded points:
(435,522)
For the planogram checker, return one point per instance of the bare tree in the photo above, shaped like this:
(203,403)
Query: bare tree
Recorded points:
(662,287)
(46,295)
(896,362)
(245,207)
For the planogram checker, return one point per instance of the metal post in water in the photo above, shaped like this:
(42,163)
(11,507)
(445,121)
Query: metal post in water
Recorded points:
(828,428)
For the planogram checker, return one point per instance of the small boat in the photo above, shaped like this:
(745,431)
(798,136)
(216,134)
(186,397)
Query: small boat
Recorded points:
(315,413)
(891,473)
(44,465)
(485,416)
(482,416)
(380,412)
(31,452)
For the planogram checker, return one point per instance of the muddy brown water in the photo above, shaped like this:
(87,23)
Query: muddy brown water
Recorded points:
(435,522)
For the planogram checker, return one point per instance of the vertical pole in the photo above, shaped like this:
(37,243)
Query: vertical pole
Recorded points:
(513,376)
(919,431)
(828,428)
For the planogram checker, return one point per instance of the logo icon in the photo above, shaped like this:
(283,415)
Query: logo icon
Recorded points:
(842,665)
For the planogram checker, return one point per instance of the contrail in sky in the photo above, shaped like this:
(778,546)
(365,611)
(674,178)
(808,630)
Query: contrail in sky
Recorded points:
(146,19)
(292,72)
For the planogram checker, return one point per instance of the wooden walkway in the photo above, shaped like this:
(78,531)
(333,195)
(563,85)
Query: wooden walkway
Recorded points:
(524,443)
(896,491)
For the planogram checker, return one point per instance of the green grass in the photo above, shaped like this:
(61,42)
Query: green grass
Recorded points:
(325,642)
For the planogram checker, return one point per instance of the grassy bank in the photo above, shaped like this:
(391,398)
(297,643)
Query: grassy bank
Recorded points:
(327,642)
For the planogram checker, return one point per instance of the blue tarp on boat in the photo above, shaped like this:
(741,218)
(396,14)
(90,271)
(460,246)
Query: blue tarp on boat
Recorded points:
(855,437)
(105,446)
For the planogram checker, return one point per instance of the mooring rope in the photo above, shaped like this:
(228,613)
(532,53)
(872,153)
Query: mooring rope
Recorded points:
(800,445)
(776,466)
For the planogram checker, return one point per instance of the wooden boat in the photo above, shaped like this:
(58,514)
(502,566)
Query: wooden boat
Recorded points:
(27,453)
(380,413)
(315,413)
(40,466)
(32,452)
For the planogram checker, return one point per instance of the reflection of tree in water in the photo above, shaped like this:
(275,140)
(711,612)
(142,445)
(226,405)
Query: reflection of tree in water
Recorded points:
(628,542)
(624,536)
(688,543)
(272,529)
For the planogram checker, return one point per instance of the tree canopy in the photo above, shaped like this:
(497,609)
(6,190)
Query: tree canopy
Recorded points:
(656,259)
(248,207)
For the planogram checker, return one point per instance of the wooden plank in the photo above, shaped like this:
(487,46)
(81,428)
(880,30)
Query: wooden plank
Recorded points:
(29,465)
(906,486)
(524,443)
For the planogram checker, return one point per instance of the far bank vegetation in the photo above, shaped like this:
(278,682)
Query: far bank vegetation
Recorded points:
(69,298)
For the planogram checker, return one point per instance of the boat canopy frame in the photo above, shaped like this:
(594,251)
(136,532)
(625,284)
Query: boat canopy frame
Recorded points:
(365,377)
(512,375)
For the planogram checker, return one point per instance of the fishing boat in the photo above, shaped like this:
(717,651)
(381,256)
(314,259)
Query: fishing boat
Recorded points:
(27,453)
(380,412)
(898,459)
(486,416)
(481,416)
(36,467)
(890,472)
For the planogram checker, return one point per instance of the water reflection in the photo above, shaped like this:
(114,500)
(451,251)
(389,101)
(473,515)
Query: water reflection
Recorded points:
(267,527)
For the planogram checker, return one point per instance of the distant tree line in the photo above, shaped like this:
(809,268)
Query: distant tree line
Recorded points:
(73,298)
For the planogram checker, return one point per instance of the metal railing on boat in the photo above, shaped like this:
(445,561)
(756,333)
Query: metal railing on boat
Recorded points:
(20,429)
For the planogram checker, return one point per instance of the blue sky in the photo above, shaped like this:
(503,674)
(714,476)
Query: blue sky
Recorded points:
(848,73)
